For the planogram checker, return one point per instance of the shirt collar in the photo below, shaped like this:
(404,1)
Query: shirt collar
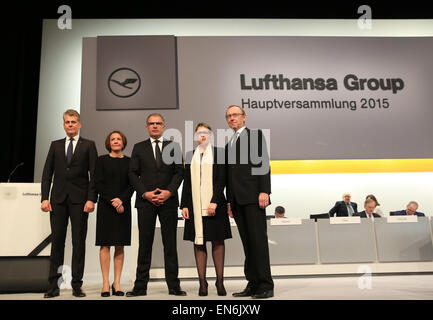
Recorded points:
(75,137)
(152,140)
(240,130)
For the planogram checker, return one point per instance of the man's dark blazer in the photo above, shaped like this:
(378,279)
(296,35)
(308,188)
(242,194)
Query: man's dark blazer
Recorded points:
(218,182)
(144,176)
(363,214)
(404,213)
(71,180)
(340,209)
(242,186)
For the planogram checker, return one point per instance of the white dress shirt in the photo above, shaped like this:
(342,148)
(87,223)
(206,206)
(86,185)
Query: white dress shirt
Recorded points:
(154,145)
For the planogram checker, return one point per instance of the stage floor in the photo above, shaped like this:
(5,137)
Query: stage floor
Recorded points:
(378,287)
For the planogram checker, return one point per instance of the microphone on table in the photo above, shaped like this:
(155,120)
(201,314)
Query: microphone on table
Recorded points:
(19,165)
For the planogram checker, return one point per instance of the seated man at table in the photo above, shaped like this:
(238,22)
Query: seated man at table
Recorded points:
(411,208)
(369,206)
(279,212)
(344,208)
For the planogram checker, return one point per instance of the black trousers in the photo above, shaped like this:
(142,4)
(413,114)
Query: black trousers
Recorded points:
(59,224)
(251,222)
(146,226)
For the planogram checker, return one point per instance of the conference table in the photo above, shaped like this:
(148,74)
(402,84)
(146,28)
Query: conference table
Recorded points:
(327,241)
(296,245)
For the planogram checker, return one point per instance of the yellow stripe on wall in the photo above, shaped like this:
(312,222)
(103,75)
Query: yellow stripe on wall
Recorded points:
(351,166)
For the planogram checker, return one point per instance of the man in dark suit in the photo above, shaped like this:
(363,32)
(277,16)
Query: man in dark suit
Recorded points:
(369,206)
(156,172)
(344,208)
(72,161)
(248,189)
(411,209)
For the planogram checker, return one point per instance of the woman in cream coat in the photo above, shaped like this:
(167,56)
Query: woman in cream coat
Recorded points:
(204,206)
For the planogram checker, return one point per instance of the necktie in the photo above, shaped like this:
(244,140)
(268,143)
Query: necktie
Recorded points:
(70,150)
(235,138)
(350,209)
(158,156)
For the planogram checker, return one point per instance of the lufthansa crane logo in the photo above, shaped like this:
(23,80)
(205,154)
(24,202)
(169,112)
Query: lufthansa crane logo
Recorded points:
(124,82)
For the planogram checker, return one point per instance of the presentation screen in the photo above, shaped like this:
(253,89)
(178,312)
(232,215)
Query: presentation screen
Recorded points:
(316,97)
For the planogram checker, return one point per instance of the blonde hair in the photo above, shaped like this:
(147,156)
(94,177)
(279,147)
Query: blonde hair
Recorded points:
(71,113)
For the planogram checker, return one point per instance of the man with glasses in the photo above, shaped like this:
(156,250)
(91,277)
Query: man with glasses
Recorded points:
(156,172)
(411,209)
(248,196)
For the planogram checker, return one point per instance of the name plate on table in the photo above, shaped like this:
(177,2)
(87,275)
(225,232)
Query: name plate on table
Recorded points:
(402,219)
(285,221)
(344,220)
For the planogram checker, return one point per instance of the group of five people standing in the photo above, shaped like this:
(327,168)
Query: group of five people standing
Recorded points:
(80,176)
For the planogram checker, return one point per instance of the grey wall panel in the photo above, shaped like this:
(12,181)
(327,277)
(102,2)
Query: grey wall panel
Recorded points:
(404,242)
(293,244)
(346,243)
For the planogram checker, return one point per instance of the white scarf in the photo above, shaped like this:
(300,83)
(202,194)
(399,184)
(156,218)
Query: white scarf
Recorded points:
(202,188)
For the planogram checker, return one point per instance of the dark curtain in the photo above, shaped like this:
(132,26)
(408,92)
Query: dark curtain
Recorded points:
(21,53)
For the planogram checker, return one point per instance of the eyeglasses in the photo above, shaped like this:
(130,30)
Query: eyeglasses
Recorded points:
(202,132)
(234,115)
(155,123)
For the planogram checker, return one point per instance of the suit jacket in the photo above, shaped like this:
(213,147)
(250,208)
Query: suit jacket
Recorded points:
(340,209)
(144,176)
(74,180)
(242,185)
(363,214)
(404,213)
(218,182)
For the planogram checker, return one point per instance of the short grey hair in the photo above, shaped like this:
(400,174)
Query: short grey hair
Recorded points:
(413,202)
(367,201)
(155,115)
(234,105)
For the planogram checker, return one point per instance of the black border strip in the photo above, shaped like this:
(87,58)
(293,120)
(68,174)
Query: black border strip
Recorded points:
(40,247)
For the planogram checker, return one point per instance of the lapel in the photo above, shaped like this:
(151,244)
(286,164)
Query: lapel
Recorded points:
(62,149)
(149,150)
(245,132)
(77,150)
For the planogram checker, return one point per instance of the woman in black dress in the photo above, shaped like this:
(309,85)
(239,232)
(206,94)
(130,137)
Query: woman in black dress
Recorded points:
(204,206)
(113,224)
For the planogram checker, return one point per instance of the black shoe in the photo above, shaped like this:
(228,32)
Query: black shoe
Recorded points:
(263,294)
(117,293)
(52,293)
(78,293)
(202,291)
(248,292)
(105,294)
(177,292)
(220,288)
(136,293)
